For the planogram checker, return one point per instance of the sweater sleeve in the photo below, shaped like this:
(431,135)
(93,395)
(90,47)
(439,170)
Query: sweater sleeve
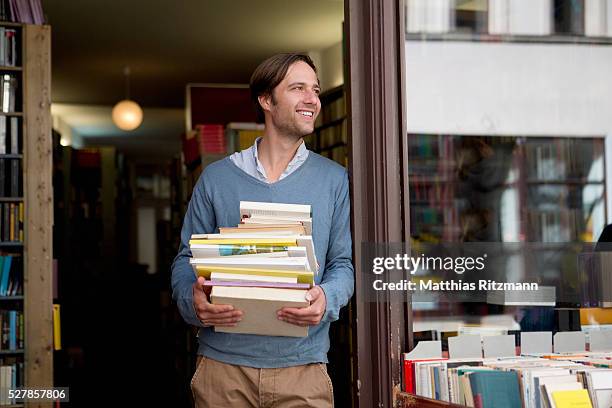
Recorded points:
(199,219)
(338,280)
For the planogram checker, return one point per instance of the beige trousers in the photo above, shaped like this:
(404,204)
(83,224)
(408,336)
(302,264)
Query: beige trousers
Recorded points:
(220,385)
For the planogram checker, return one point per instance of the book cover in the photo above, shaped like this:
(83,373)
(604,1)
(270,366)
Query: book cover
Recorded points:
(302,276)
(495,389)
(14,132)
(572,399)
(15,178)
(259,307)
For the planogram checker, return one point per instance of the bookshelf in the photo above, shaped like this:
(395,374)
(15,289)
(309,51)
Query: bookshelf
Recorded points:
(27,194)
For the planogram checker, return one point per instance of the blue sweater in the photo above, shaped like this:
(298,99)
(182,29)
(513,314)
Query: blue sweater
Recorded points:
(216,203)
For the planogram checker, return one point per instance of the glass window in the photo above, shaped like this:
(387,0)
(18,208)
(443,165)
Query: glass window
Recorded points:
(471,16)
(569,17)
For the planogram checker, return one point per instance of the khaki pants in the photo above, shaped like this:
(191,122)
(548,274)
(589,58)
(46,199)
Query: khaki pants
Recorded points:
(220,385)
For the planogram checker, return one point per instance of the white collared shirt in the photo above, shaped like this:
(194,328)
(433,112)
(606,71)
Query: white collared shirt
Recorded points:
(248,161)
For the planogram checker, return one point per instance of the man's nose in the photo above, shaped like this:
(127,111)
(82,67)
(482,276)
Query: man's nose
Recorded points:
(311,97)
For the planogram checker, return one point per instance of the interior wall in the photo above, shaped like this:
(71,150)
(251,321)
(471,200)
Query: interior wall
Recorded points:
(329,62)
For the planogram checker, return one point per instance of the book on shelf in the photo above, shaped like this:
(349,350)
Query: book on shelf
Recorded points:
(11,330)
(211,138)
(9,135)
(571,399)
(23,11)
(259,269)
(8,87)
(8,46)
(11,222)
(57,332)
(543,296)
(517,381)
(11,377)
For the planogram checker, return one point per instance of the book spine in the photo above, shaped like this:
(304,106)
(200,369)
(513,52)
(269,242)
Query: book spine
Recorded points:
(3,138)
(2,178)
(5,222)
(14,131)
(15,178)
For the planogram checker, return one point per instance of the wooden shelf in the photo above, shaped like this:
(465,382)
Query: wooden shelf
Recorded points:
(11,244)
(10,68)
(11,199)
(11,352)
(18,114)
(11,156)
(18,297)
(10,24)
(405,400)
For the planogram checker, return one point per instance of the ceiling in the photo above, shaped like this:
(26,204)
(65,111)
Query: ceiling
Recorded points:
(168,45)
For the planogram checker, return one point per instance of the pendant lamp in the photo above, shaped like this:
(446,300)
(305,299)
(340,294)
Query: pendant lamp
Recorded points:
(127,114)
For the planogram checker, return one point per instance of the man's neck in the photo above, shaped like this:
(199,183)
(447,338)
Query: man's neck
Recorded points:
(275,152)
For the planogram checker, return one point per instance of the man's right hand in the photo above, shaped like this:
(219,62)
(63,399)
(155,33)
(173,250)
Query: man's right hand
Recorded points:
(209,314)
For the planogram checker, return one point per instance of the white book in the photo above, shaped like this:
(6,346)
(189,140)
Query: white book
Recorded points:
(220,250)
(259,307)
(3,138)
(14,135)
(6,92)
(548,389)
(600,387)
(289,211)
(256,278)
(280,264)
(301,240)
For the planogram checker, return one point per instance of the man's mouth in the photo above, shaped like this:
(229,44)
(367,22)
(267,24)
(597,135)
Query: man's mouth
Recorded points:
(308,114)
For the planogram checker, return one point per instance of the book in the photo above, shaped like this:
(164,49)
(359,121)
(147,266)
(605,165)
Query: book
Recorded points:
(14,132)
(57,334)
(600,387)
(3,138)
(305,241)
(495,389)
(245,277)
(217,250)
(15,177)
(280,229)
(259,307)
(547,390)
(6,270)
(301,276)
(255,284)
(571,399)
(296,212)
(287,241)
(289,263)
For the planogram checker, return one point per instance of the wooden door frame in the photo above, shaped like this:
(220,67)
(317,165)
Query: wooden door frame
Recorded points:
(375,42)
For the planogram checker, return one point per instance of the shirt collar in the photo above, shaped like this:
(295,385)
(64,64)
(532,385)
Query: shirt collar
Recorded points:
(300,156)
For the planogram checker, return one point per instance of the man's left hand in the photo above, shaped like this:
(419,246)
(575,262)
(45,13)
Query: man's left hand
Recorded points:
(306,316)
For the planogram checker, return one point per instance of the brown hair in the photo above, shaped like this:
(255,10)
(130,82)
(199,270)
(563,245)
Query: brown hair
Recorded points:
(270,73)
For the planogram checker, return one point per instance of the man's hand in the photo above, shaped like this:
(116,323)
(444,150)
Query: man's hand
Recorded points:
(209,314)
(306,316)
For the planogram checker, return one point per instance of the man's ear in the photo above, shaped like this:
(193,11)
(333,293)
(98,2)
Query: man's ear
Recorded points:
(265,101)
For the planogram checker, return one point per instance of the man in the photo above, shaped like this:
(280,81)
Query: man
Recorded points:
(241,370)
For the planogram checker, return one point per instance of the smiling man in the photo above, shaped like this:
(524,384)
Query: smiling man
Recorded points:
(241,370)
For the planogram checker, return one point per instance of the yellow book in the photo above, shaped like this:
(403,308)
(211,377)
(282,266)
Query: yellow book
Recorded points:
(246,241)
(302,276)
(57,334)
(572,399)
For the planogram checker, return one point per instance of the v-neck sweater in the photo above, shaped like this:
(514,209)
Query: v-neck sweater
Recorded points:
(215,202)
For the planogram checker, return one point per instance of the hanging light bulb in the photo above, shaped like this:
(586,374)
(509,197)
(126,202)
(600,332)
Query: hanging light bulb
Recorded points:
(127,114)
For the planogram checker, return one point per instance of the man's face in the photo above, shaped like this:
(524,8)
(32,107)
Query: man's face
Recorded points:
(294,104)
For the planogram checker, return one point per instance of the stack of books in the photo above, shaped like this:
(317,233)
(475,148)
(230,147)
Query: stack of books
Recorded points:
(542,381)
(265,263)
